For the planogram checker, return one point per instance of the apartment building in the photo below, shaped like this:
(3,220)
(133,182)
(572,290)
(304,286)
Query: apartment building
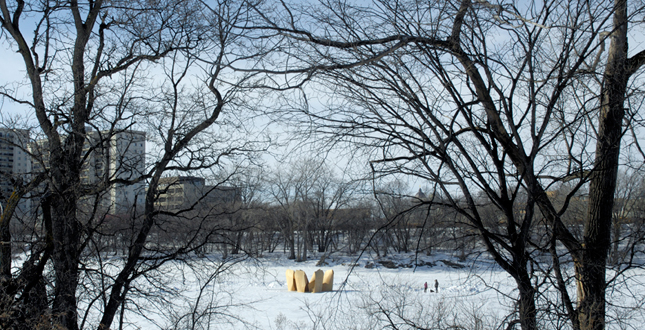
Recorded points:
(125,160)
(15,163)
(182,191)
(109,156)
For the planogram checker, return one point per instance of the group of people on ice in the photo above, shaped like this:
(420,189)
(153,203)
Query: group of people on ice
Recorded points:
(436,286)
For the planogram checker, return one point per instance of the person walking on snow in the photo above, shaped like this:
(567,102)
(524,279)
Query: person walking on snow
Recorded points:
(436,286)
(425,287)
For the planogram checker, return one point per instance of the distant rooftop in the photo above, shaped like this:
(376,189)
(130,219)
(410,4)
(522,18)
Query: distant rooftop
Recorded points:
(420,194)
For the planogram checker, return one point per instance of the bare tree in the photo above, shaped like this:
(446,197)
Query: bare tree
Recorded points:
(310,200)
(627,227)
(479,97)
(285,192)
(291,190)
(396,223)
(330,196)
(96,71)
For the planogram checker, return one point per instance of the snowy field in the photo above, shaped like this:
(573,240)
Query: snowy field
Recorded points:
(252,294)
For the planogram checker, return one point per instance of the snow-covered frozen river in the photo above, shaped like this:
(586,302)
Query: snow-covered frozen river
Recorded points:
(253,295)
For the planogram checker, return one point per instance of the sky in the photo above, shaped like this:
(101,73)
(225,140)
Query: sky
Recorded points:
(12,73)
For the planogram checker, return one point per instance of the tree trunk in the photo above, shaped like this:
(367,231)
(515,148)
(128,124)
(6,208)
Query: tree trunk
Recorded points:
(305,243)
(292,247)
(590,270)
(66,233)
(526,308)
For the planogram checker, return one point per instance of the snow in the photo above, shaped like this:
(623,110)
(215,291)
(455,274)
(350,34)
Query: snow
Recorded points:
(253,294)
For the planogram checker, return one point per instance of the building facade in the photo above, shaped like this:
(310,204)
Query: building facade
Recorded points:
(109,157)
(15,163)
(177,192)
(122,158)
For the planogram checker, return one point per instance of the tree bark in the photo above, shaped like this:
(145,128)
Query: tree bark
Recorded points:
(597,232)
(526,308)
(66,233)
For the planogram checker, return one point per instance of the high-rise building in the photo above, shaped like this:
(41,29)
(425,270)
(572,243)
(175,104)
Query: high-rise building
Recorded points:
(123,159)
(15,163)
(110,157)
